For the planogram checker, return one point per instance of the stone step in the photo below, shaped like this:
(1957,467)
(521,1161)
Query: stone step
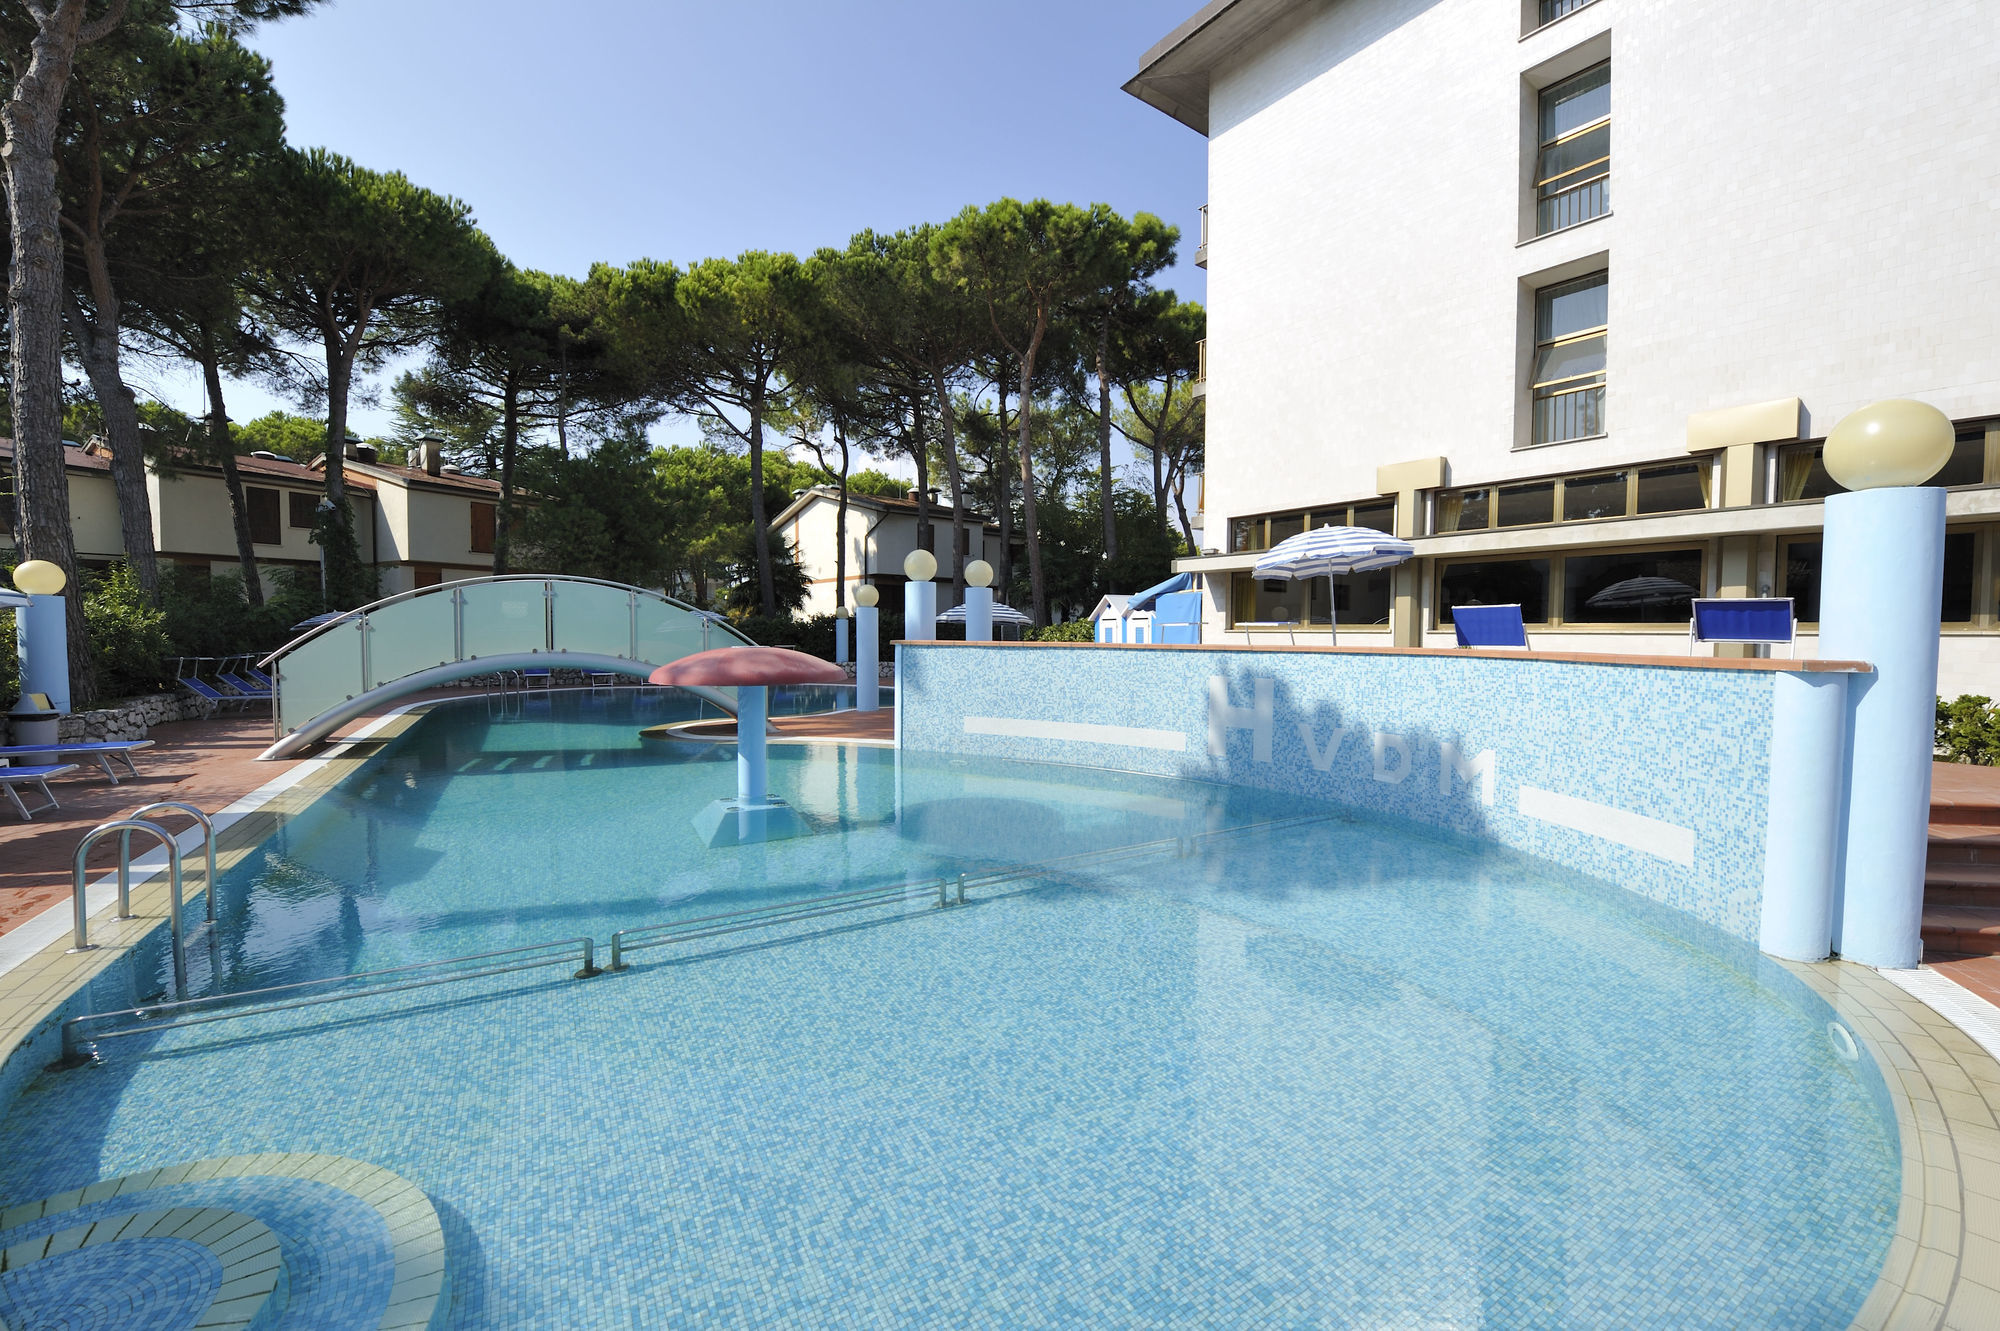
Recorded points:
(1967,929)
(1964,845)
(1956,894)
(1961,873)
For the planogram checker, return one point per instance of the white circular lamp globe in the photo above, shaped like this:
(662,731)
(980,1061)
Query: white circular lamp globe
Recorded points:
(979,573)
(38,577)
(866,596)
(920,566)
(1897,442)
(840,612)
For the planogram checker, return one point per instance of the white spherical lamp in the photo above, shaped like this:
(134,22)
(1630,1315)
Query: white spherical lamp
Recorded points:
(866,596)
(38,577)
(840,612)
(921,566)
(1897,442)
(979,573)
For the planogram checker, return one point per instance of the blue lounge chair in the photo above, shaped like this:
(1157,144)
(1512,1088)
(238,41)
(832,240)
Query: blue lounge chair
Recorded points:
(214,697)
(259,678)
(101,752)
(243,686)
(1489,626)
(38,777)
(1751,619)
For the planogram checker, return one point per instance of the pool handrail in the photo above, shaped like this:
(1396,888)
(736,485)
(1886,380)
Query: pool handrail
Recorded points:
(75,1053)
(125,853)
(80,904)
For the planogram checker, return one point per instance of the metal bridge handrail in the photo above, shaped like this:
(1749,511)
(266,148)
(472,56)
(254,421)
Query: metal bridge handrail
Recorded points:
(81,906)
(350,616)
(176,1013)
(642,937)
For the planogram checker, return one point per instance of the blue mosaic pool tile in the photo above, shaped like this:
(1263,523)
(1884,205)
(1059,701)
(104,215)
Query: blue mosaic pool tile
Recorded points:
(148,1284)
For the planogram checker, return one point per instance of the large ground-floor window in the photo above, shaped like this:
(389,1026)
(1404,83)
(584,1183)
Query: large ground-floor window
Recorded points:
(1593,587)
(1358,601)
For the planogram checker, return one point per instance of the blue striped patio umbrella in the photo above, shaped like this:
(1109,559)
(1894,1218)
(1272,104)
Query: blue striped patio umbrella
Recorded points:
(1330,552)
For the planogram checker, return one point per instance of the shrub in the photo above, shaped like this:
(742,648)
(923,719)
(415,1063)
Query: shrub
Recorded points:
(1076,630)
(128,637)
(812,635)
(1968,730)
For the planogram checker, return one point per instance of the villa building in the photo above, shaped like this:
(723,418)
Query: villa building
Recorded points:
(418,526)
(881,533)
(1568,292)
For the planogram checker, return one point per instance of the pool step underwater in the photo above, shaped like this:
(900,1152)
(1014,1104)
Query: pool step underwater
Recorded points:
(255,1241)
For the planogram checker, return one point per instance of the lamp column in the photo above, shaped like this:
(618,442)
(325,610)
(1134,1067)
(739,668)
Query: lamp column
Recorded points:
(42,645)
(920,597)
(979,601)
(1880,586)
(840,635)
(867,650)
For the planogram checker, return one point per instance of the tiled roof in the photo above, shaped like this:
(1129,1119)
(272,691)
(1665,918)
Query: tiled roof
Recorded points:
(940,508)
(417,476)
(276,469)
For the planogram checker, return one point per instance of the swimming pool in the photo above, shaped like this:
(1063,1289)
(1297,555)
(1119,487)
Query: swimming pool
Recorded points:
(1339,1073)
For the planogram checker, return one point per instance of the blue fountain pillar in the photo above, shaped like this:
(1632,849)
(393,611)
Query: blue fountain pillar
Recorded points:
(1880,585)
(753,706)
(840,635)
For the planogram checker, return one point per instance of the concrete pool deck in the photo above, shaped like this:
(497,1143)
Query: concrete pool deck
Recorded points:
(1943,1268)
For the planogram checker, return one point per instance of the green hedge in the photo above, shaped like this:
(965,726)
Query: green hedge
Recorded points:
(1968,730)
(1076,630)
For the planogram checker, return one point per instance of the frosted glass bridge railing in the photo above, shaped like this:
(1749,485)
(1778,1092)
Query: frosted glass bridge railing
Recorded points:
(434,635)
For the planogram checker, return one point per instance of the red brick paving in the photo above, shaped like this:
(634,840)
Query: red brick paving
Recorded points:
(208,764)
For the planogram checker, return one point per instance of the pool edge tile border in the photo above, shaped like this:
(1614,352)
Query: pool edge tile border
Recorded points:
(1945,1090)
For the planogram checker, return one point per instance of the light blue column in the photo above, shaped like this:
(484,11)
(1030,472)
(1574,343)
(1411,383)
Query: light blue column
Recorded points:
(840,642)
(42,644)
(1802,836)
(1879,591)
(867,658)
(979,614)
(752,705)
(919,611)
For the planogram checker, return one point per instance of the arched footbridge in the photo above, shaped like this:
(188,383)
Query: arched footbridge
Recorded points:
(419,640)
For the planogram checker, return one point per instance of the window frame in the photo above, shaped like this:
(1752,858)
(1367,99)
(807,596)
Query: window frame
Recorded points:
(1547,390)
(253,497)
(1985,573)
(1545,144)
(1308,625)
(1557,561)
(1634,472)
(1317,515)
(1963,432)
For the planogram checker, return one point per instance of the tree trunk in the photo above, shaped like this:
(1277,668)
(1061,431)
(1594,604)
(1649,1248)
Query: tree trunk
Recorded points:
(840,526)
(97,347)
(510,436)
(1003,491)
(225,454)
(339,380)
(1037,587)
(1104,439)
(34,311)
(948,432)
(760,525)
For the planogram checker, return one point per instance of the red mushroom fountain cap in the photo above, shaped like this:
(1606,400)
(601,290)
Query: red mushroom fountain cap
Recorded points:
(730,667)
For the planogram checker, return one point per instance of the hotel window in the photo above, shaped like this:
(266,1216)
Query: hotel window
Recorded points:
(1960,601)
(261,507)
(1567,384)
(1573,163)
(1522,582)
(1551,10)
(1266,530)
(1359,600)
(1636,587)
(1802,474)
(1672,487)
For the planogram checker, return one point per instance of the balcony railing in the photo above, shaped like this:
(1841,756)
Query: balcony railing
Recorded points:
(1577,203)
(1569,413)
(1201,250)
(1201,368)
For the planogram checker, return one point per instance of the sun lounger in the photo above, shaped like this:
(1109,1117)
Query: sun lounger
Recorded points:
(1489,626)
(1746,619)
(38,777)
(101,752)
(214,697)
(259,678)
(243,686)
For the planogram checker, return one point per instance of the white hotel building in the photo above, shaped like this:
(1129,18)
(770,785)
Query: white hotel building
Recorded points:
(1567,291)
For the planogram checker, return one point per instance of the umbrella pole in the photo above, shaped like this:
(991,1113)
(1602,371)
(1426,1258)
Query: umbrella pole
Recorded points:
(1332,613)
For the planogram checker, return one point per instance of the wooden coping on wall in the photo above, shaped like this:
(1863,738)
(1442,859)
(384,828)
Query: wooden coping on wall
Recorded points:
(1800,667)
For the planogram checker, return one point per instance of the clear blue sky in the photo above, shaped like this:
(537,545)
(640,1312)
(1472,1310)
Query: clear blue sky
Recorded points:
(676,129)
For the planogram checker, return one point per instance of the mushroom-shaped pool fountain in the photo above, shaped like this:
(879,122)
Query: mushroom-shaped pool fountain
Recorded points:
(753,815)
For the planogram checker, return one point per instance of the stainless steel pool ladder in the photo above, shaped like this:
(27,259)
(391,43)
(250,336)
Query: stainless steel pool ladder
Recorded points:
(79,1042)
(942,892)
(136,821)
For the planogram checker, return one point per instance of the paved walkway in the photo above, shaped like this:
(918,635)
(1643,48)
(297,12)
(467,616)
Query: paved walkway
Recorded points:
(207,764)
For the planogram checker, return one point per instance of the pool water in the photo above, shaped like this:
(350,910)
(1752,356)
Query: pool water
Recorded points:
(1341,1073)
